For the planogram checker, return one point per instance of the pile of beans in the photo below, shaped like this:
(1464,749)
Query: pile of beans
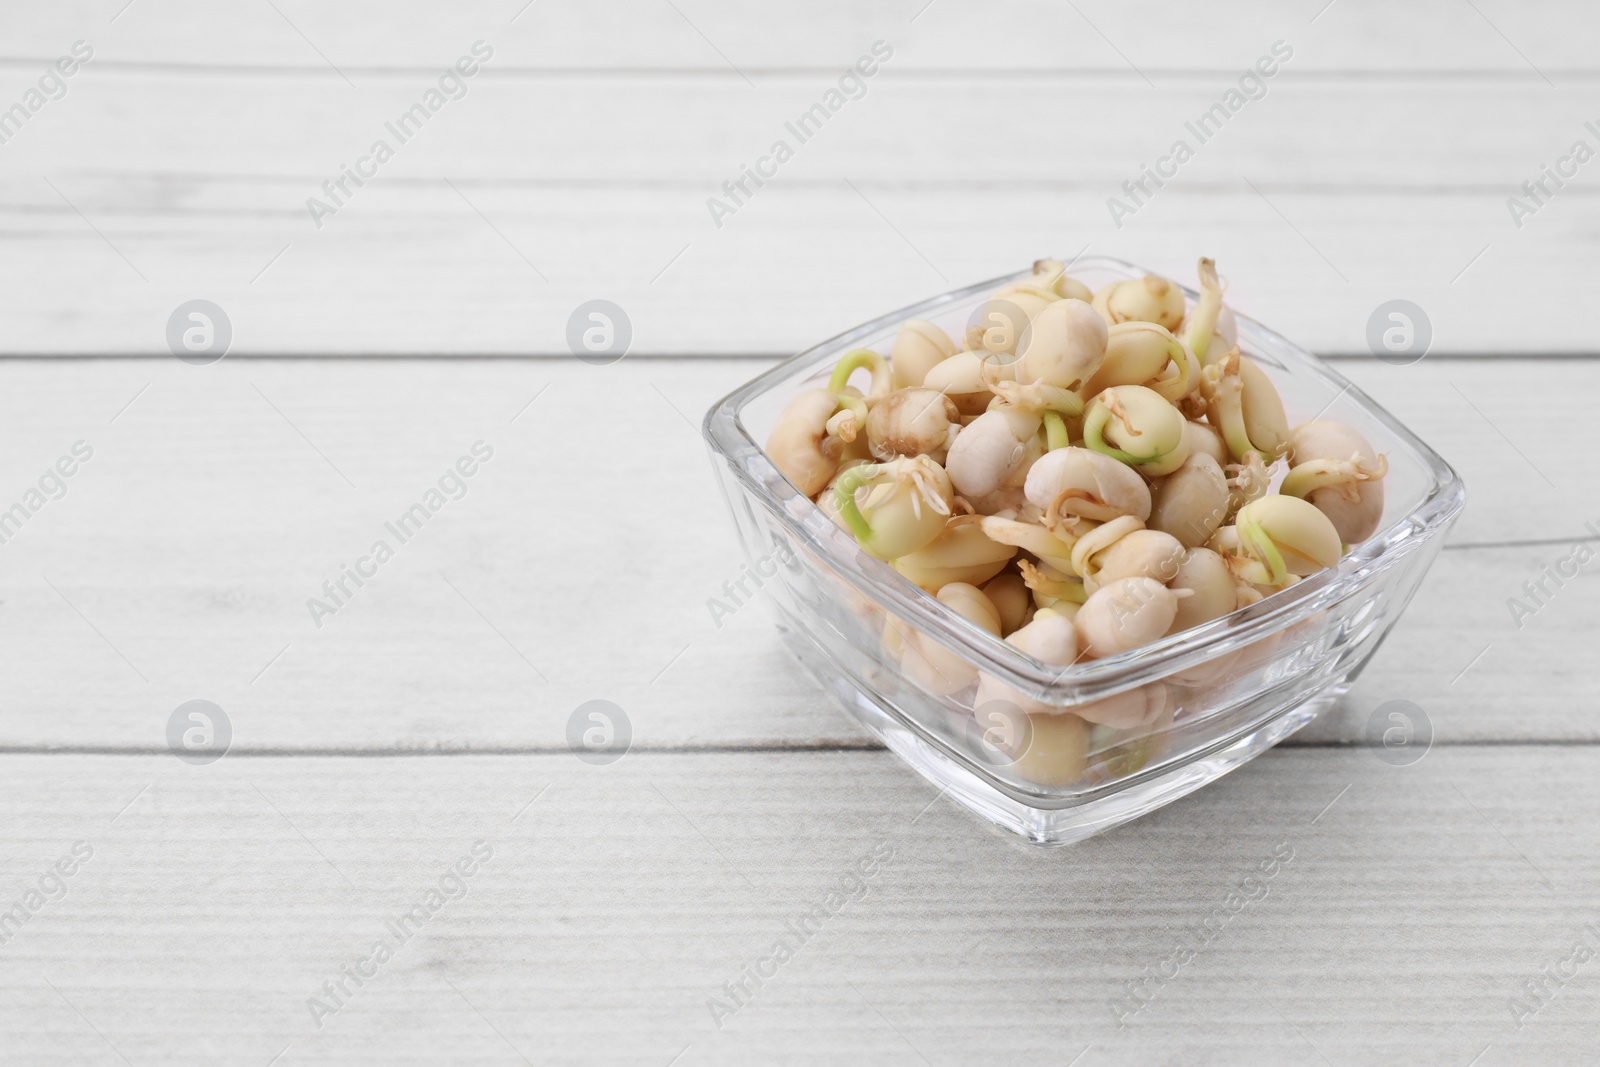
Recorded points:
(1081,473)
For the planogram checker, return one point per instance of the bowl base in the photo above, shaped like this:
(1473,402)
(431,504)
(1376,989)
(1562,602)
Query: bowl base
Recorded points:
(1067,823)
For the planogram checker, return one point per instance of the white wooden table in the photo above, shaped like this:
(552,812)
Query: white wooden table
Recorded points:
(208,905)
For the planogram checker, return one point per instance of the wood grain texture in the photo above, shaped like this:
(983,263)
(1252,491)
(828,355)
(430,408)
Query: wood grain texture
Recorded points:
(413,269)
(653,130)
(181,161)
(1101,36)
(623,898)
(1405,908)
(581,560)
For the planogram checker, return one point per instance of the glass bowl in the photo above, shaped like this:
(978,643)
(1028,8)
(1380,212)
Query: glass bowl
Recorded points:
(1212,697)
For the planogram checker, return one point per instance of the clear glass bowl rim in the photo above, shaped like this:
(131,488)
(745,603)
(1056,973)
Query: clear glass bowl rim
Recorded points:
(885,587)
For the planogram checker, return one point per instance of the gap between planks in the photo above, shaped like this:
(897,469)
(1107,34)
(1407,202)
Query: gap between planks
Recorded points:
(1090,186)
(732,749)
(671,357)
(943,75)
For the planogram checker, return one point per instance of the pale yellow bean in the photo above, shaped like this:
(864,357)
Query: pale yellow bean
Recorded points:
(1122,615)
(1191,502)
(799,446)
(1065,346)
(994,450)
(1011,599)
(962,553)
(1206,574)
(912,422)
(1078,481)
(918,348)
(935,668)
(1148,299)
(1347,473)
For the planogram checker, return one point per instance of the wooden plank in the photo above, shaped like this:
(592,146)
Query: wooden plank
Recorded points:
(591,544)
(703,35)
(414,269)
(622,899)
(148,184)
(297,130)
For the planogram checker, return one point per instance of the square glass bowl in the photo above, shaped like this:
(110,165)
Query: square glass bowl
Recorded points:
(1213,696)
